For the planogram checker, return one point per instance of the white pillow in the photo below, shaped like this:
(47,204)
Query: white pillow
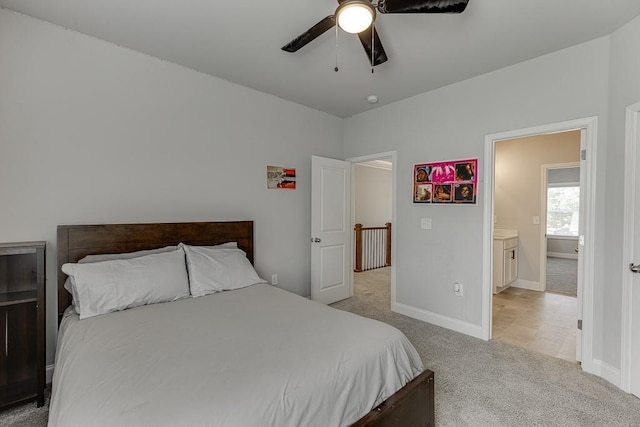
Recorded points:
(214,269)
(69,284)
(128,255)
(228,245)
(107,286)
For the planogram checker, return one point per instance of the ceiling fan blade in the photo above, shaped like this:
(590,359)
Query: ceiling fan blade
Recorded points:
(311,34)
(379,55)
(422,6)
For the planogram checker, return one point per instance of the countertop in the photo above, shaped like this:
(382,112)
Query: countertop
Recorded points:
(503,234)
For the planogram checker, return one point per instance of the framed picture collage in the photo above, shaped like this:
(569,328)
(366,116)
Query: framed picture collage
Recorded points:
(446,182)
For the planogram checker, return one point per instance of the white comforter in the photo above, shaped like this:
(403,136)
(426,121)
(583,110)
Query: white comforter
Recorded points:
(258,356)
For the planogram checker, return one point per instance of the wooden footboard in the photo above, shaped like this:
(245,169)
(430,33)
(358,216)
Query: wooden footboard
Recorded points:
(411,406)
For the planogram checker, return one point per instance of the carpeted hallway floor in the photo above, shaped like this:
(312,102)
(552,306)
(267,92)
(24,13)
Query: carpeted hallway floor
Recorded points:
(562,276)
(478,383)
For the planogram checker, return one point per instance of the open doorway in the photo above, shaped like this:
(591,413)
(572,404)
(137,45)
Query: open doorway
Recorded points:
(561,218)
(587,129)
(373,198)
(524,312)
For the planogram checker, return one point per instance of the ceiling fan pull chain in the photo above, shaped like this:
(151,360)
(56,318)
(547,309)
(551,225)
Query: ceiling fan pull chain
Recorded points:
(373,46)
(336,68)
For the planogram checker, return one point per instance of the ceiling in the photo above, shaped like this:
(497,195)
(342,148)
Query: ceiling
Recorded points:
(240,40)
(378,164)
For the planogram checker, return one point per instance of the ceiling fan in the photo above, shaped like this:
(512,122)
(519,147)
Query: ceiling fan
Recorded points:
(356,16)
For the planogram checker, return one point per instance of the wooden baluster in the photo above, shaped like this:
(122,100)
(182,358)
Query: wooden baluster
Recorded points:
(388,248)
(358,266)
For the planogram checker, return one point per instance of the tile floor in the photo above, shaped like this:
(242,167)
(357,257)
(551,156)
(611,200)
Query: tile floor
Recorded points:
(539,321)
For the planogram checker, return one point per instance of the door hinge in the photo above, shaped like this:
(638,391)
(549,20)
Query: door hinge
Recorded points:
(580,324)
(583,154)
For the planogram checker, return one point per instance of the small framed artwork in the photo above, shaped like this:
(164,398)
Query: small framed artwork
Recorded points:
(442,193)
(423,193)
(281,178)
(464,193)
(446,182)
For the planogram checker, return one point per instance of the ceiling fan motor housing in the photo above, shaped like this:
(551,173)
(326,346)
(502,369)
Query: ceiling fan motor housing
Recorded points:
(355,16)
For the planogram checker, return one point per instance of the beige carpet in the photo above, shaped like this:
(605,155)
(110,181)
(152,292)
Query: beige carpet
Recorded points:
(481,383)
(26,415)
(562,276)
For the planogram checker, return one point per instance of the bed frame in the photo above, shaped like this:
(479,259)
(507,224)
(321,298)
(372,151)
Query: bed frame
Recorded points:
(412,405)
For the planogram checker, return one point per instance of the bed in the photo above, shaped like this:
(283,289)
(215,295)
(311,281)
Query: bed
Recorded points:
(253,356)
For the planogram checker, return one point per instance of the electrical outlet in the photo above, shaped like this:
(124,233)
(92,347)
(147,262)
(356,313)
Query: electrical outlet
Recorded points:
(458,289)
(274,279)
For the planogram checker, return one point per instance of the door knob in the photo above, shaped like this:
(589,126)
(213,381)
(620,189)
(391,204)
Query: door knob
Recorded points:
(316,240)
(634,268)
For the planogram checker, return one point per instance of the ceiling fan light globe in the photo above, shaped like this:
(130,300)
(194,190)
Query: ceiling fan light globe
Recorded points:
(355,16)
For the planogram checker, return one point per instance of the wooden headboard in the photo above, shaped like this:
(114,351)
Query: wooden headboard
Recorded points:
(77,241)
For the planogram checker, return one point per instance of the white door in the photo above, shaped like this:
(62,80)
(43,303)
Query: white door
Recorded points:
(634,259)
(330,230)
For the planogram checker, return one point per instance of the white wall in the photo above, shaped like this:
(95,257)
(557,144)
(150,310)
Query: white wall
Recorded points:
(94,133)
(451,123)
(373,195)
(562,247)
(624,90)
(518,190)
(568,175)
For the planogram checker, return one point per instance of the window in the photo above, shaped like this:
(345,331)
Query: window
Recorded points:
(563,208)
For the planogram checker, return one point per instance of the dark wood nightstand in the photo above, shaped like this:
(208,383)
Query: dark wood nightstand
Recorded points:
(22,322)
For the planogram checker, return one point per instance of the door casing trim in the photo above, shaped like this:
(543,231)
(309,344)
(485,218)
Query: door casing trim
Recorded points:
(394,171)
(589,126)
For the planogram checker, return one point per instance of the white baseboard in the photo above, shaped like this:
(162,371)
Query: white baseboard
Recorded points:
(48,374)
(526,284)
(438,320)
(562,255)
(606,371)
